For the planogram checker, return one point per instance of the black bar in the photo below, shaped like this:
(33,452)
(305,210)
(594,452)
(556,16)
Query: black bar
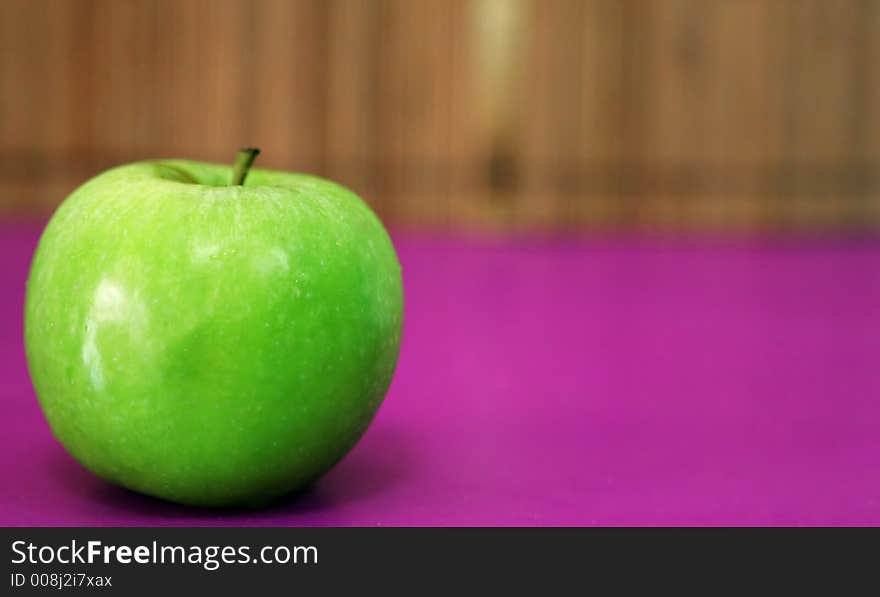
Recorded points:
(542,561)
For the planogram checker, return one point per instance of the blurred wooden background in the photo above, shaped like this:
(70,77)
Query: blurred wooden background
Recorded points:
(511,115)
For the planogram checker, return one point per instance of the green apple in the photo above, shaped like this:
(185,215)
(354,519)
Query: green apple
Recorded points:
(211,342)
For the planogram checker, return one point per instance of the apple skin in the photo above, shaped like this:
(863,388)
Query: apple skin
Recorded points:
(209,344)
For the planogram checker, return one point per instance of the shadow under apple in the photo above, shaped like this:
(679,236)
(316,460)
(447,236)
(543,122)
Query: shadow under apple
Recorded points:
(380,461)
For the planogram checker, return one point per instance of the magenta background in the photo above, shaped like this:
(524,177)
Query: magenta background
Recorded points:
(562,383)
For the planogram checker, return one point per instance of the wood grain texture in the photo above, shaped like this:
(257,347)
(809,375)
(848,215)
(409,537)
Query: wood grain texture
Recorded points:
(503,115)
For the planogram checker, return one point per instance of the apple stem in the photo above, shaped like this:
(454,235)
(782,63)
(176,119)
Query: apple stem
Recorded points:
(243,160)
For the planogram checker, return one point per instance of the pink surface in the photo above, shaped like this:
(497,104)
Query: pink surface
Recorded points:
(595,382)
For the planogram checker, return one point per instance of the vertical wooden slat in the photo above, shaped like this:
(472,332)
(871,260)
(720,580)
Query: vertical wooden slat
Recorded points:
(181,100)
(552,117)
(414,115)
(573,123)
(709,140)
(24,65)
(224,51)
(823,109)
(677,78)
(470,140)
(743,135)
(207,71)
(599,144)
(489,88)
(117,79)
(288,90)
(351,131)
(868,151)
